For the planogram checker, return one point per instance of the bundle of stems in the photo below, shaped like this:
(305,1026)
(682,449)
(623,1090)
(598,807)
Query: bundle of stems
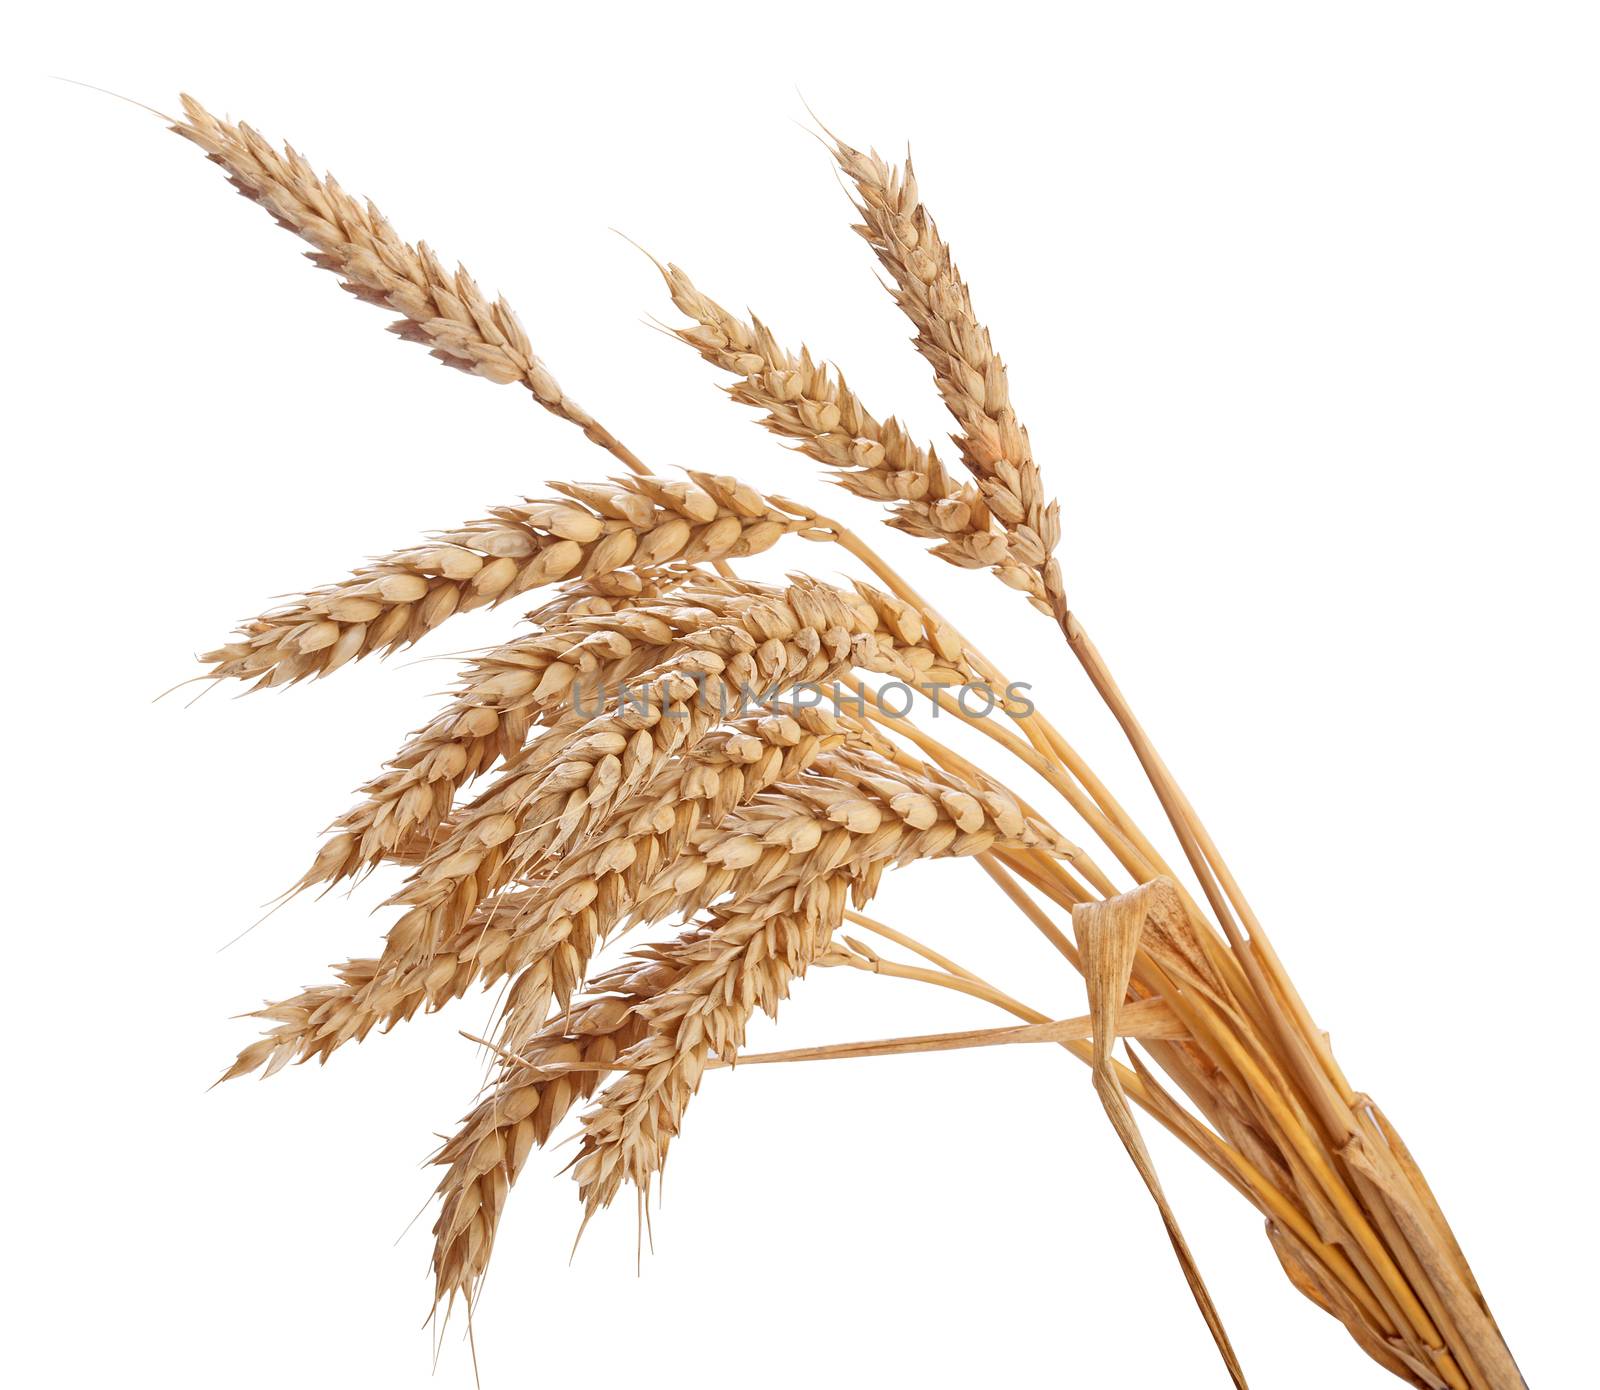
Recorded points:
(548,807)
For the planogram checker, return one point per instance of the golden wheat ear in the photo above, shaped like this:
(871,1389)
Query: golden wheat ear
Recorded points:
(804,401)
(632,523)
(444,311)
(970,375)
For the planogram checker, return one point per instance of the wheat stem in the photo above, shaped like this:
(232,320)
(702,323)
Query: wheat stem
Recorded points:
(1048,741)
(888,933)
(1224,1158)
(1145,1019)
(996,870)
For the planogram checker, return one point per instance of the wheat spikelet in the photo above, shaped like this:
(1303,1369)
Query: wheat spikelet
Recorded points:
(394,601)
(972,378)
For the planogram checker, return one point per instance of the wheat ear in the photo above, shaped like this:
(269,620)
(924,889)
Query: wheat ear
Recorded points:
(444,311)
(807,403)
(388,604)
(971,377)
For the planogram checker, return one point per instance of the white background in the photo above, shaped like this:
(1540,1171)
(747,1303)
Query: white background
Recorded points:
(1300,305)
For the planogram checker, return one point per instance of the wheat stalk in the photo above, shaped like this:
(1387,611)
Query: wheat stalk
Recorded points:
(765,823)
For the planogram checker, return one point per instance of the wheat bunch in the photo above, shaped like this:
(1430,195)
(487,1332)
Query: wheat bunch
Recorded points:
(764,820)
(544,932)
(582,639)
(806,402)
(752,947)
(787,863)
(552,799)
(725,769)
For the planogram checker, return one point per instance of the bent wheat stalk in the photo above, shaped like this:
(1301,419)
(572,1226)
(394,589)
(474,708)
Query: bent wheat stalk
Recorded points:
(764,820)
